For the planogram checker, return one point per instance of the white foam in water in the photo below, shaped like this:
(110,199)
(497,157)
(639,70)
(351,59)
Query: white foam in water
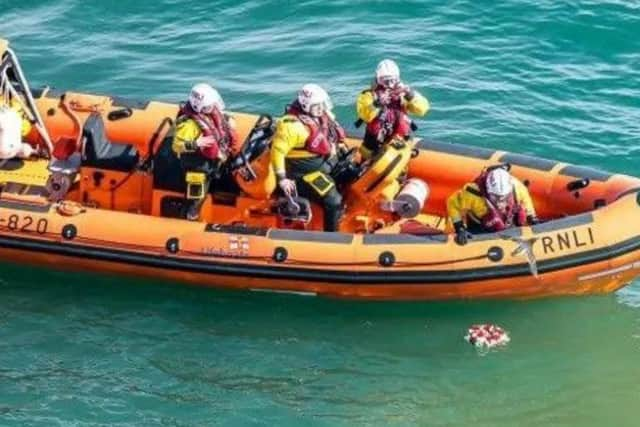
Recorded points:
(630,295)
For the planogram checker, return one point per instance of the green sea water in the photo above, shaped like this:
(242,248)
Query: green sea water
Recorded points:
(547,78)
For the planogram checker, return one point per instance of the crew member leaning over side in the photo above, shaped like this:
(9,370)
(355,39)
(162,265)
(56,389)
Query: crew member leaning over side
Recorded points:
(306,137)
(494,202)
(204,139)
(385,107)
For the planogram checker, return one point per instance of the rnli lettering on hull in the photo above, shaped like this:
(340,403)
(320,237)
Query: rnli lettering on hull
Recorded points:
(565,240)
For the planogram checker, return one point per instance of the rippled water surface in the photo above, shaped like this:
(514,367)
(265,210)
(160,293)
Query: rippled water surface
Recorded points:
(547,78)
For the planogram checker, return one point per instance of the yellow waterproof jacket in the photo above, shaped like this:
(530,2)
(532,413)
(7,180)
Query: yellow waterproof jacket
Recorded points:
(186,134)
(289,141)
(16,106)
(367,111)
(467,201)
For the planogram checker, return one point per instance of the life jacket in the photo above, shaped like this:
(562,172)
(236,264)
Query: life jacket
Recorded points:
(495,219)
(214,125)
(393,121)
(323,131)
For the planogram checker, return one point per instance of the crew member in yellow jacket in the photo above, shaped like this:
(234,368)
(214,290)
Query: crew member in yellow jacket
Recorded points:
(494,202)
(305,138)
(14,127)
(385,107)
(16,106)
(205,137)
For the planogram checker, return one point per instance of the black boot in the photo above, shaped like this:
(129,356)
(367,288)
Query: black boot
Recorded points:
(332,204)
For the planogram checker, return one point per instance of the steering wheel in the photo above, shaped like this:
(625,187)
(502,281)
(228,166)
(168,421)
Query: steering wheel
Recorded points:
(241,164)
(345,168)
(253,146)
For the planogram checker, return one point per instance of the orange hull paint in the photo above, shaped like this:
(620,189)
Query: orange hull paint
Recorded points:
(553,285)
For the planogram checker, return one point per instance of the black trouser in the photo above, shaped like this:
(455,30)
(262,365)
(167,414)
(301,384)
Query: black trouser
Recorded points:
(475,228)
(195,162)
(370,142)
(332,200)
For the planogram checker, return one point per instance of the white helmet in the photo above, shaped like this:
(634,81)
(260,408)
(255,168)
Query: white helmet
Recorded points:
(10,133)
(314,100)
(387,73)
(203,98)
(499,183)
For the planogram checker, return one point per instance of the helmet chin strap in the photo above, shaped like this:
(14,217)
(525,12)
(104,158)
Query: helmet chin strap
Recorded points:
(500,205)
(316,110)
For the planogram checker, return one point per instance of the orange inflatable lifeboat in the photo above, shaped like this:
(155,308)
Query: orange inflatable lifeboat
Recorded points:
(106,194)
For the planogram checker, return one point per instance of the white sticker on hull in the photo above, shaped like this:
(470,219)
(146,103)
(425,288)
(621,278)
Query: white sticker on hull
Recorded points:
(609,272)
(284,291)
